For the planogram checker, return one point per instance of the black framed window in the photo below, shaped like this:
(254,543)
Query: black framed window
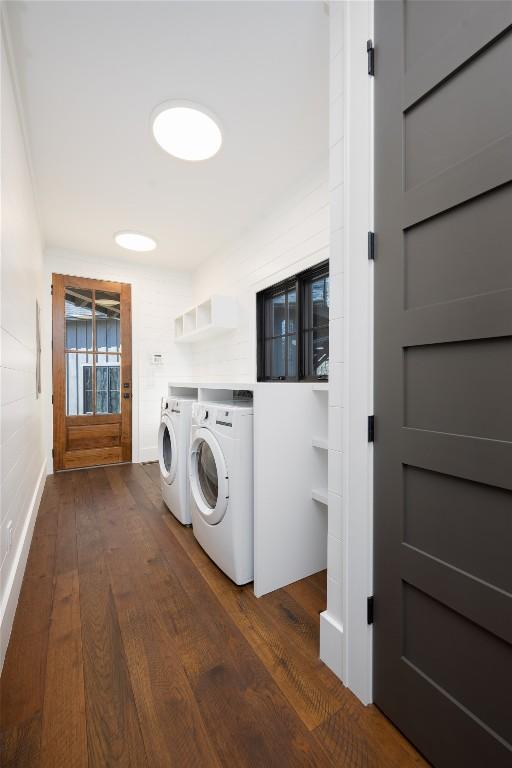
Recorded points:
(293,328)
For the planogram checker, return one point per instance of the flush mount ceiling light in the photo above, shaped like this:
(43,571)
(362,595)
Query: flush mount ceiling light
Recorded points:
(186,131)
(134,241)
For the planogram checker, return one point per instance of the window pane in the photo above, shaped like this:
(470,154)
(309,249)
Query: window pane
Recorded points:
(108,386)
(292,311)
(78,318)
(78,384)
(114,386)
(277,315)
(292,355)
(320,353)
(320,301)
(278,369)
(108,313)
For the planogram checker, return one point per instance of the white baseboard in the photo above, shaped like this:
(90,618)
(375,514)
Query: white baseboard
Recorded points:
(331,643)
(15,578)
(148,454)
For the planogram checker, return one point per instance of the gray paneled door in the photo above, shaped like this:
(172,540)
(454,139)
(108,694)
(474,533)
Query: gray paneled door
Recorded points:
(443,377)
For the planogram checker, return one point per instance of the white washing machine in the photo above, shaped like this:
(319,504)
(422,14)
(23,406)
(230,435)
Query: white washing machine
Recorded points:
(221,485)
(173,456)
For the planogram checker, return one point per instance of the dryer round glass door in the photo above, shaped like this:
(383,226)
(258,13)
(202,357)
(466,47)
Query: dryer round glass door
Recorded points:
(167,453)
(208,477)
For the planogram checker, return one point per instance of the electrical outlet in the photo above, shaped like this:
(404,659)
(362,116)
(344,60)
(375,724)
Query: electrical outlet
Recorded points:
(10,530)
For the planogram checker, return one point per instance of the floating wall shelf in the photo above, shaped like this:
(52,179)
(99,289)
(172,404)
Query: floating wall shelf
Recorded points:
(320,442)
(208,319)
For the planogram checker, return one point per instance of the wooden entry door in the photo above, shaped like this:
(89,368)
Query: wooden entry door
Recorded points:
(92,372)
(443,377)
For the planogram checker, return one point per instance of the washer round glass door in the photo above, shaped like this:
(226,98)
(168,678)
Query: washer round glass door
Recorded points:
(167,453)
(208,477)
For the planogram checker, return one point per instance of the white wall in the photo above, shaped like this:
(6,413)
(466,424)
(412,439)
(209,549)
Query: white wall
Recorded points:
(158,295)
(291,238)
(331,620)
(22,465)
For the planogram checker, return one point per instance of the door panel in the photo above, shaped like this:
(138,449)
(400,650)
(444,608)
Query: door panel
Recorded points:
(91,372)
(443,377)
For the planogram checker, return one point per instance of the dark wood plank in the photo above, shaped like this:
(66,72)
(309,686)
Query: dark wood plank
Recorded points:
(19,745)
(113,731)
(307,593)
(356,736)
(64,739)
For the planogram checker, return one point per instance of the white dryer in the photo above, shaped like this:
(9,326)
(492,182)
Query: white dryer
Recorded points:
(173,455)
(221,485)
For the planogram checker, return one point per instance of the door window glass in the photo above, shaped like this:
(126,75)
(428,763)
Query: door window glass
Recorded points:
(93,351)
(207,475)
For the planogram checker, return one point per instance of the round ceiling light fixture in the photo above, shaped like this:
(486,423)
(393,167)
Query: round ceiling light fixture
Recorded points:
(134,241)
(186,130)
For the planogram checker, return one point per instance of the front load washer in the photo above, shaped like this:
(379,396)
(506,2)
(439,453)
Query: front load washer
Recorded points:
(173,455)
(221,485)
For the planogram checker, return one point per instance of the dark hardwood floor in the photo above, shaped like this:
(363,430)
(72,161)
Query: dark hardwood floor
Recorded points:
(129,647)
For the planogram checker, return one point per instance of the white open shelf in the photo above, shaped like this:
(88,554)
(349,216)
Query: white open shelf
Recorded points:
(320,496)
(319,458)
(210,318)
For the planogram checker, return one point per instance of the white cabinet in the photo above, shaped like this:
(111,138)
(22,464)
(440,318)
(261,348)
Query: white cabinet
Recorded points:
(213,316)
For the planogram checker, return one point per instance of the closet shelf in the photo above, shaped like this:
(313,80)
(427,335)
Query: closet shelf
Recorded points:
(208,319)
(320,496)
(320,386)
(320,442)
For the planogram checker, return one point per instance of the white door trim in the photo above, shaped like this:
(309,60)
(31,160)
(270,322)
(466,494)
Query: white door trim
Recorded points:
(358,301)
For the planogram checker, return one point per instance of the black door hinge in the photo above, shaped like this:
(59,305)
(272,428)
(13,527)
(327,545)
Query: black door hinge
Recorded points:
(53,453)
(371,57)
(52,399)
(371,246)
(369,610)
(51,289)
(371,429)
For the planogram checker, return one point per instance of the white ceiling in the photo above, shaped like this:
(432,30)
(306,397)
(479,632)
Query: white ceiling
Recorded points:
(90,75)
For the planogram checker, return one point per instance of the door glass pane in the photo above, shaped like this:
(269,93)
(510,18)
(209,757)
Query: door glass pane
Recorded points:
(278,315)
(207,475)
(78,319)
(108,324)
(167,450)
(320,301)
(278,357)
(79,400)
(108,384)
